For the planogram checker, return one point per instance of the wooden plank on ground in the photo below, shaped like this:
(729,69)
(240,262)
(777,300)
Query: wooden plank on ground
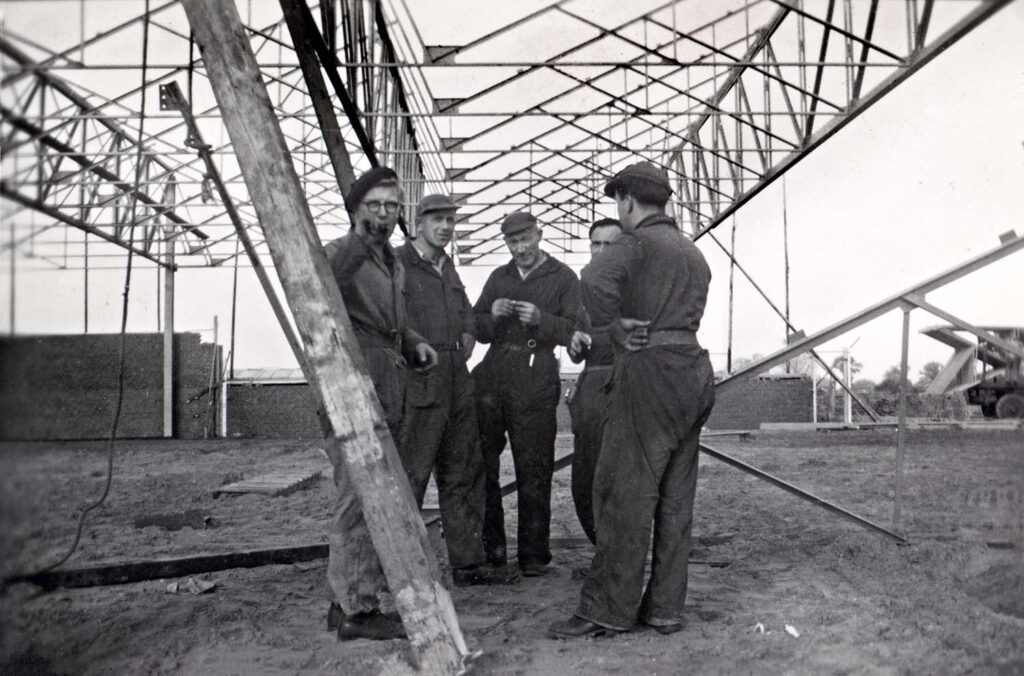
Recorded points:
(283,482)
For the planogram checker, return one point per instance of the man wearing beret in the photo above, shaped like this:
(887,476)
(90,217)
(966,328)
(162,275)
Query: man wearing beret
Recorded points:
(440,426)
(526,308)
(662,393)
(371,280)
(590,396)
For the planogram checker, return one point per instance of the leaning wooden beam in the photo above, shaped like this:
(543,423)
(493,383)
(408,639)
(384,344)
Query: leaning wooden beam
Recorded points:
(335,361)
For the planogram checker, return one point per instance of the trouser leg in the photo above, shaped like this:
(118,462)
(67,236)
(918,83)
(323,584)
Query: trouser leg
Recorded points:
(532,436)
(491,423)
(353,569)
(625,498)
(422,431)
(459,471)
(673,523)
(588,410)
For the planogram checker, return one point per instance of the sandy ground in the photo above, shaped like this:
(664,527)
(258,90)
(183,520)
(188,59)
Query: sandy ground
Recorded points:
(951,602)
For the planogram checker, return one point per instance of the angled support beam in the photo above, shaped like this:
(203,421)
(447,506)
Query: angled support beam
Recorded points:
(898,301)
(362,440)
(968,23)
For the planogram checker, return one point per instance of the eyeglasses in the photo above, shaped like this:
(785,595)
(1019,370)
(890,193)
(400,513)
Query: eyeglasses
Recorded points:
(374,206)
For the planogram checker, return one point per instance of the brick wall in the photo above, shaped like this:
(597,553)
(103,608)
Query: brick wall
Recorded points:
(272,410)
(768,399)
(65,387)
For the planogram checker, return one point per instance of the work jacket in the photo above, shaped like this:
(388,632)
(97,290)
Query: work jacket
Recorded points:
(436,302)
(653,272)
(553,287)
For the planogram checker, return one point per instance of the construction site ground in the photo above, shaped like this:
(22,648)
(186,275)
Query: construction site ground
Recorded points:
(802,591)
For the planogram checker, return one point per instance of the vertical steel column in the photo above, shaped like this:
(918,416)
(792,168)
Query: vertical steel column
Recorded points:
(901,429)
(169,339)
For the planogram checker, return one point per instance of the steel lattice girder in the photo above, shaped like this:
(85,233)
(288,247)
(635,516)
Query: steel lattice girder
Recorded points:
(726,96)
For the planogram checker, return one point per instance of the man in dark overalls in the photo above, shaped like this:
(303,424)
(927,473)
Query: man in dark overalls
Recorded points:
(440,428)
(662,393)
(590,396)
(371,279)
(527,307)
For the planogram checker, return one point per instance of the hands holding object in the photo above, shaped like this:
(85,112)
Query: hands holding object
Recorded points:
(526,312)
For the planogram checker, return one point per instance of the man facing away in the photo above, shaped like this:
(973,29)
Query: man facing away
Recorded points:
(526,308)
(662,393)
(440,426)
(590,396)
(371,280)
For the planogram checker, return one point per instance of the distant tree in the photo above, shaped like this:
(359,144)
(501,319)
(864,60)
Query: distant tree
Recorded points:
(839,364)
(928,373)
(891,381)
(864,386)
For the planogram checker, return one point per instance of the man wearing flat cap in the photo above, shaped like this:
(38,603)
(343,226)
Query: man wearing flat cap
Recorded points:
(440,426)
(371,279)
(526,308)
(662,393)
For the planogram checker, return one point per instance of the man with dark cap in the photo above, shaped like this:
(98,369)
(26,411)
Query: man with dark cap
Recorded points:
(526,308)
(371,280)
(662,394)
(440,426)
(590,396)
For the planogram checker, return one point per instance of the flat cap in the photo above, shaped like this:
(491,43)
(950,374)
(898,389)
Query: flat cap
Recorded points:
(517,222)
(365,184)
(435,203)
(642,177)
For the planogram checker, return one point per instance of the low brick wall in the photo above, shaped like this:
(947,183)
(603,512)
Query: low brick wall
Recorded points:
(272,411)
(65,387)
(765,399)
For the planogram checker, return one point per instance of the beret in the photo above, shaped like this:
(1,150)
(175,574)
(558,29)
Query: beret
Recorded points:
(365,184)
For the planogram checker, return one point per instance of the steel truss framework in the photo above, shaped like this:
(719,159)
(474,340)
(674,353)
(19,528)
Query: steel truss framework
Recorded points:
(535,113)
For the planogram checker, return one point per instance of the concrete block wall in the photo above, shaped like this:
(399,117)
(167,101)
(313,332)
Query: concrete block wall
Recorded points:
(64,387)
(272,411)
(766,399)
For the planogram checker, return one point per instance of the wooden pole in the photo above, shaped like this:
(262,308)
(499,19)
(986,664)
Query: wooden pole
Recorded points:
(332,354)
(901,429)
(169,339)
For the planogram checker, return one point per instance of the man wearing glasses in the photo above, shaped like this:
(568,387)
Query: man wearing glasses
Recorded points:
(527,307)
(371,279)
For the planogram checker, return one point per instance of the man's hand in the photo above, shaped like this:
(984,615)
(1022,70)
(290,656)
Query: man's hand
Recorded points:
(631,333)
(426,358)
(468,343)
(503,307)
(579,345)
(529,314)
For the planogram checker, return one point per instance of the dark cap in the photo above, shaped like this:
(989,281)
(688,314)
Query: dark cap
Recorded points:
(517,222)
(643,178)
(365,184)
(435,203)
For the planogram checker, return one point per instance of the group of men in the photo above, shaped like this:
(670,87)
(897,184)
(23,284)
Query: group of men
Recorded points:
(637,410)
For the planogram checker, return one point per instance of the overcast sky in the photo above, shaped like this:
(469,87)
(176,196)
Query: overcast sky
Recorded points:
(927,178)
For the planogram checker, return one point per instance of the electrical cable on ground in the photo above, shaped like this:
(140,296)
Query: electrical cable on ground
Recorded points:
(119,403)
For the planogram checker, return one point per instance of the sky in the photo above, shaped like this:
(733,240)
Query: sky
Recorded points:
(927,178)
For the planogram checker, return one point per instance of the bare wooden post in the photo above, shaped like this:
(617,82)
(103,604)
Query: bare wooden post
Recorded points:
(335,361)
(169,340)
(901,429)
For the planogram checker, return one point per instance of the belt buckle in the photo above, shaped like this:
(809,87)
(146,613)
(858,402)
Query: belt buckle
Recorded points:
(531,343)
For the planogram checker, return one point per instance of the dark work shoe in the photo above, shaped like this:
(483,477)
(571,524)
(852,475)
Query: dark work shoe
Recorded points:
(664,629)
(486,574)
(533,569)
(577,627)
(334,617)
(372,625)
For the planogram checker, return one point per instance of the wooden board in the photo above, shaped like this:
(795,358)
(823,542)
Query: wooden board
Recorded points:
(283,482)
